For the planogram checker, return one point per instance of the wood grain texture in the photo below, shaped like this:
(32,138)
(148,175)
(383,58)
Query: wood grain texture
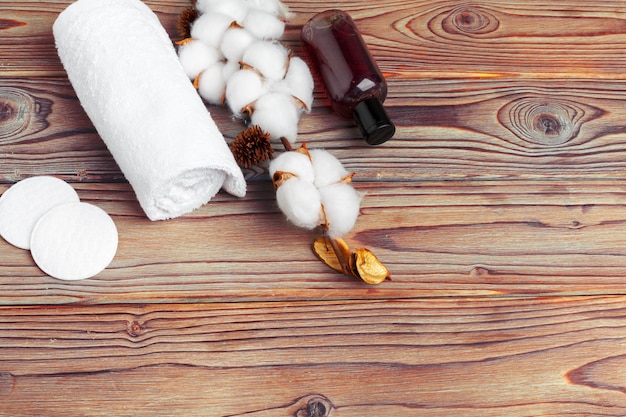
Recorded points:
(427,357)
(499,207)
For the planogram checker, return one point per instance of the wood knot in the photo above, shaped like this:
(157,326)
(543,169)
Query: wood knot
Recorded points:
(21,114)
(134,328)
(470,21)
(314,406)
(545,121)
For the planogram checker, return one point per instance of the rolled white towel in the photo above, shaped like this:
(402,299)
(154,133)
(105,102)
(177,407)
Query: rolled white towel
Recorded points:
(128,78)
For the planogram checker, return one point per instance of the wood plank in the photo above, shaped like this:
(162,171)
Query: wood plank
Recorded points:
(437,238)
(474,357)
(485,129)
(407,37)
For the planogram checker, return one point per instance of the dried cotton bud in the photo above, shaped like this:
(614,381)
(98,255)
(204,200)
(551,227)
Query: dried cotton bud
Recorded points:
(236,9)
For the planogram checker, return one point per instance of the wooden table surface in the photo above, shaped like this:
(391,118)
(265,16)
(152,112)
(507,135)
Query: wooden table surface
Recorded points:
(499,207)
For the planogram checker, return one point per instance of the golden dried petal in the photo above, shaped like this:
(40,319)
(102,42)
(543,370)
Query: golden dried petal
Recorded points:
(303,150)
(369,268)
(323,249)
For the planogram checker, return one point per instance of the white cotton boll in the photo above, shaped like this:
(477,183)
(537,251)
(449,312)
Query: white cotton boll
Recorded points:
(210,28)
(211,84)
(229,68)
(274,7)
(267,57)
(195,56)
(278,114)
(244,87)
(237,9)
(206,6)
(264,25)
(235,41)
(326,168)
(296,163)
(341,205)
(300,81)
(300,202)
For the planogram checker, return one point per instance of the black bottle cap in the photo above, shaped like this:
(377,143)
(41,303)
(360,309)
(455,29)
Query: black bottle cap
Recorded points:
(372,119)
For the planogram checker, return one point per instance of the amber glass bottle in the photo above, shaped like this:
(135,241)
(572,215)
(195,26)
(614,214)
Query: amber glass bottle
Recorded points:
(351,77)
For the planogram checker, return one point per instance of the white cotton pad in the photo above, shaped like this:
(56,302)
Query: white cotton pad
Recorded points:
(26,201)
(74,241)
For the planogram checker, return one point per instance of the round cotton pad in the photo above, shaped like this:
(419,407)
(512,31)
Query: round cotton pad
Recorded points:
(26,201)
(74,241)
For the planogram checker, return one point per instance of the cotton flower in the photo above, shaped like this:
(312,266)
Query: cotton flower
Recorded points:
(303,177)
(299,81)
(264,25)
(299,200)
(210,28)
(327,169)
(211,83)
(271,6)
(243,88)
(267,57)
(278,115)
(195,56)
(236,9)
(299,164)
(235,42)
(341,207)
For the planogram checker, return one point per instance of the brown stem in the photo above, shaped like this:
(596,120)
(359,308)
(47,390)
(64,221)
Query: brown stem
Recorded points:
(286,143)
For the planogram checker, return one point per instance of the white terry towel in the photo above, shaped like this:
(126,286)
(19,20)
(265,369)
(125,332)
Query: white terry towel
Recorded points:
(127,76)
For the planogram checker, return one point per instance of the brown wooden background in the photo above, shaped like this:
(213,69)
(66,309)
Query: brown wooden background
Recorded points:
(499,207)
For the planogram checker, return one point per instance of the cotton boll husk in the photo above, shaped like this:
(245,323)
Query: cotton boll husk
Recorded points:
(195,56)
(300,202)
(278,114)
(212,84)
(326,168)
(235,41)
(296,163)
(341,205)
(267,57)
(210,28)
(243,87)
(264,25)
(300,81)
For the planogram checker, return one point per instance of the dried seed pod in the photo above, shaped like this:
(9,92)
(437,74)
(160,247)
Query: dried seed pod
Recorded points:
(251,147)
(368,267)
(361,263)
(323,249)
(185,19)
